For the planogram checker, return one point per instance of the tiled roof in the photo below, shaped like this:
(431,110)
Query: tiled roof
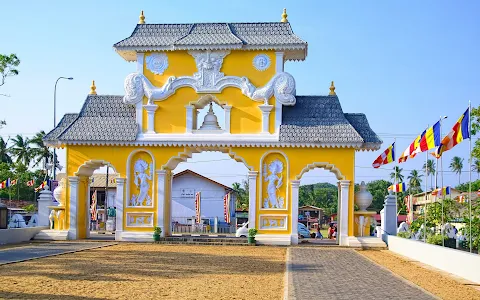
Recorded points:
(203,36)
(360,123)
(317,119)
(64,123)
(102,118)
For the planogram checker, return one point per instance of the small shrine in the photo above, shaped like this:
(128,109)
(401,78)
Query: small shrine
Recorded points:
(145,133)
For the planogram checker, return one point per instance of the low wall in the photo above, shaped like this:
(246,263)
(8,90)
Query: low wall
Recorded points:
(18,235)
(457,262)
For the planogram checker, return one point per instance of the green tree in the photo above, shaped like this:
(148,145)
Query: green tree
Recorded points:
(429,167)
(456,166)
(476,167)
(323,195)
(40,153)
(8,67)
(4,153)
(241,194)
(397,174)
(415,182)
(21,149)
(378,189)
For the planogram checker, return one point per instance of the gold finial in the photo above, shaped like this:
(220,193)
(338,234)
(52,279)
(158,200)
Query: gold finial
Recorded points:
(284,16)
(93,88)
(332,90)
(141,18)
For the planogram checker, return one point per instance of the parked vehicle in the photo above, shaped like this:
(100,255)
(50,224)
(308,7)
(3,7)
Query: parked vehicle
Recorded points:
(242,231)
(303,231)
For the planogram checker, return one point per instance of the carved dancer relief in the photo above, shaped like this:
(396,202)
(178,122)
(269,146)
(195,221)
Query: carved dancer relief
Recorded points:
(275,181)
(209,79)
(141,180)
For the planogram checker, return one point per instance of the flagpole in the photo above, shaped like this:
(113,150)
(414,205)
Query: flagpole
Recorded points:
(436,175)
(425,206)
(470,173)
(396,181)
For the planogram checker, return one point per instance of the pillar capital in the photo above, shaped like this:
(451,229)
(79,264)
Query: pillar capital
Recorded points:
(73,179)
(252,174)
(344,183)
(120,180)
(295,183)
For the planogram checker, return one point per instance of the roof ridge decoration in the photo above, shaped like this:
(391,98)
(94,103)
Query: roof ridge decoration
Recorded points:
(209,79)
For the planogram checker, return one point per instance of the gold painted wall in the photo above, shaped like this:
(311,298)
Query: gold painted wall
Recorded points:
(246,117)
(296,160)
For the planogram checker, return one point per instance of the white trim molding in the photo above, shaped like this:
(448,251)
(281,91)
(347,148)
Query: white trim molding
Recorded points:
(73,182)
(343,212)
(295,184)
(252,198)
(136,236)
(323,165)
(119,204)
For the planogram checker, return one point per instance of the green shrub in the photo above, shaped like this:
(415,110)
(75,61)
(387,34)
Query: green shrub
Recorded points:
(405,234)
(157,230)
(252,232)
(436,239)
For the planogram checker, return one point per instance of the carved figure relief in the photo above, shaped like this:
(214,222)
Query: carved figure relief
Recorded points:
(139,219)
(157,63)
(273,175)
(209,79)
(273,222)
(261,62)
(142,173)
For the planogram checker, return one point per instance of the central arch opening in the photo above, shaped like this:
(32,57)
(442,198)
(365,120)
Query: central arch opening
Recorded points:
(209,195)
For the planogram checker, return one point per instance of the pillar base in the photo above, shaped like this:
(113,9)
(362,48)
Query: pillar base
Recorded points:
(274,239)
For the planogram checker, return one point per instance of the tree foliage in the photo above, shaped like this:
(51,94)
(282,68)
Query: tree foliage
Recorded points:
(241,194)
(456,166)
(323,195)
(415,182)
(8,67)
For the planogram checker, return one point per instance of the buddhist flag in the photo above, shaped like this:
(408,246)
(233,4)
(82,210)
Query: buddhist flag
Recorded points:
(3,184)
(410,151)
(226,207)
(31,183)
(401,187)
(460,132)
(197,207)
(430,140)
(461,199)
(93,206)
(441,191)
(386,157)
(13,182)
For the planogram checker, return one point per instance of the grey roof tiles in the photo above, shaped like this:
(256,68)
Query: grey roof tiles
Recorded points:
(203,36)
(313,120)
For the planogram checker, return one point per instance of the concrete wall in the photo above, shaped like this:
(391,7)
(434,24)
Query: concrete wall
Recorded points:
(18,235)
(183,192)
(457,262)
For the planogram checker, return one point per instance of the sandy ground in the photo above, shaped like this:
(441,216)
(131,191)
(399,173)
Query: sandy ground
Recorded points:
(433,281)
(149,271)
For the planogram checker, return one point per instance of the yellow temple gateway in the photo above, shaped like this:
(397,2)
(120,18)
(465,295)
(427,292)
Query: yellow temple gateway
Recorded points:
(146,133)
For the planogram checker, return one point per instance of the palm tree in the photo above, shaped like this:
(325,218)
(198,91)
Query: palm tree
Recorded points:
(415,181)
(429,166)
(41,153)
(456,165)
(476,167)
(21,150)
(4,156)
(397,174)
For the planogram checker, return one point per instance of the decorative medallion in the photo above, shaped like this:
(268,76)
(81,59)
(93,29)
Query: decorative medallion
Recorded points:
(261,62)
(157,63)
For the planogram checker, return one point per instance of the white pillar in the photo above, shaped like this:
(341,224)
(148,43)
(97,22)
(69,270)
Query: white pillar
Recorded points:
(389,216)
(161,177)
(45,199)
(252,198)
(227,109)
(190,110)
(150,108)
(294,198)
(73,186)
(119,203)
(87,210)
(279,62)
(140,59)
(266,109)
(342,231)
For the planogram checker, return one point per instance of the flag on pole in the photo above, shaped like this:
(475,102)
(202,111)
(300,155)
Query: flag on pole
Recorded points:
(226,207)
(430,140)
(410,151)
(31,183)
(401,187)
(4,184)
(197,207)
(386,157)
(93,206)
(13,182)
(441,191)
(459,132)
(461,199)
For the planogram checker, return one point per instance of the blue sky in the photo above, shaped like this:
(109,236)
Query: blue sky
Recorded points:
(403,63)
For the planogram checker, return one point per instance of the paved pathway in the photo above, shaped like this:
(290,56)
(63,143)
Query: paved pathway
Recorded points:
(18,254)
(321,273)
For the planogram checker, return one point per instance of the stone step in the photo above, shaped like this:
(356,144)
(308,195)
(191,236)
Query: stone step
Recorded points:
(207,240)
